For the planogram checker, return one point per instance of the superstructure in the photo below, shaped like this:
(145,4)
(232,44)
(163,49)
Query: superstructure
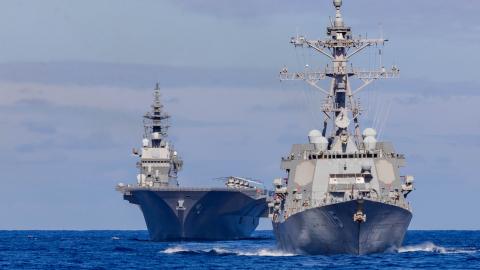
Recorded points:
(343,192)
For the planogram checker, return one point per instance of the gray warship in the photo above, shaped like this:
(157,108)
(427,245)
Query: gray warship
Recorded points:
(343,192)
(172,212)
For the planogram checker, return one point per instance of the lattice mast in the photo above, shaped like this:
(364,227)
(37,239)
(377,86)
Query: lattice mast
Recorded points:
(340,47)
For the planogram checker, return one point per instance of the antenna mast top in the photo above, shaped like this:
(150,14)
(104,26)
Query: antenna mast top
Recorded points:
(155,121)
(338,15)
(339,47)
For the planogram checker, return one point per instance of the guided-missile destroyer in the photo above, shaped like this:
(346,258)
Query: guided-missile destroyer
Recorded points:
(172,212)
(343,192)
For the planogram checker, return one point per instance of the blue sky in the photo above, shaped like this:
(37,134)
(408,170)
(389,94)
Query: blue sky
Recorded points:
(75,78)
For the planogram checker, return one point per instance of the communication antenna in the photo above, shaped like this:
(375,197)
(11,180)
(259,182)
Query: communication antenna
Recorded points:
(380,26)
(381,58)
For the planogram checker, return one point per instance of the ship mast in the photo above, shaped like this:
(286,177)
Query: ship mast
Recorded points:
(155,121)
(340,47)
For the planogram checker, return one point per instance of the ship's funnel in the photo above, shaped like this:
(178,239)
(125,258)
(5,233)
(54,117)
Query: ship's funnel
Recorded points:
(369,139)
(320,143)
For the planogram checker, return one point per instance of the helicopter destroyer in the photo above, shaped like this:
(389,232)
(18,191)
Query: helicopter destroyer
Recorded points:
(172,212)
(343,192)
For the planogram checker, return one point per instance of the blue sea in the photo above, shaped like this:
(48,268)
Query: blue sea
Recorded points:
(133,250)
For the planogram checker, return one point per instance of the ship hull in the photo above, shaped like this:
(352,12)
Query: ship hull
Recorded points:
(331,229)
(185,214)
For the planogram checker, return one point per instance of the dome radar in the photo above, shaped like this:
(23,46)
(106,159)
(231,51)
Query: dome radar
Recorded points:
(337,3)
(369,132)
(320,143)
(369,139)
(314,133)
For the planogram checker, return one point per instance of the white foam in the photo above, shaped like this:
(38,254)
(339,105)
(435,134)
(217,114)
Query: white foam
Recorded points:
(431,247)
(115,238)
(220,250)
(172,250)
(267,253)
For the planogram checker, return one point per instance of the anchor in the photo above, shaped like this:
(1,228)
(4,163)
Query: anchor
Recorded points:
(359,216)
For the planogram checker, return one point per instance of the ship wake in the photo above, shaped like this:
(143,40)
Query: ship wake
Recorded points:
(432,248)
(218,251)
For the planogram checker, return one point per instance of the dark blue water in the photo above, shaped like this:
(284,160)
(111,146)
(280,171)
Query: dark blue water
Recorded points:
(131,249)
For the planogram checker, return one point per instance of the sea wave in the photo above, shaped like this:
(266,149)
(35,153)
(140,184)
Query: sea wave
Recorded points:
(172,250)
(267,253)
(226,252)
(431,247)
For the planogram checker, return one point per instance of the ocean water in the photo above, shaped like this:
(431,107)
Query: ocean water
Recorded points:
(133,250)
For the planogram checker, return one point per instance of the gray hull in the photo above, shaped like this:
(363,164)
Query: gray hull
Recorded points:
(206,214)
(331,230)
